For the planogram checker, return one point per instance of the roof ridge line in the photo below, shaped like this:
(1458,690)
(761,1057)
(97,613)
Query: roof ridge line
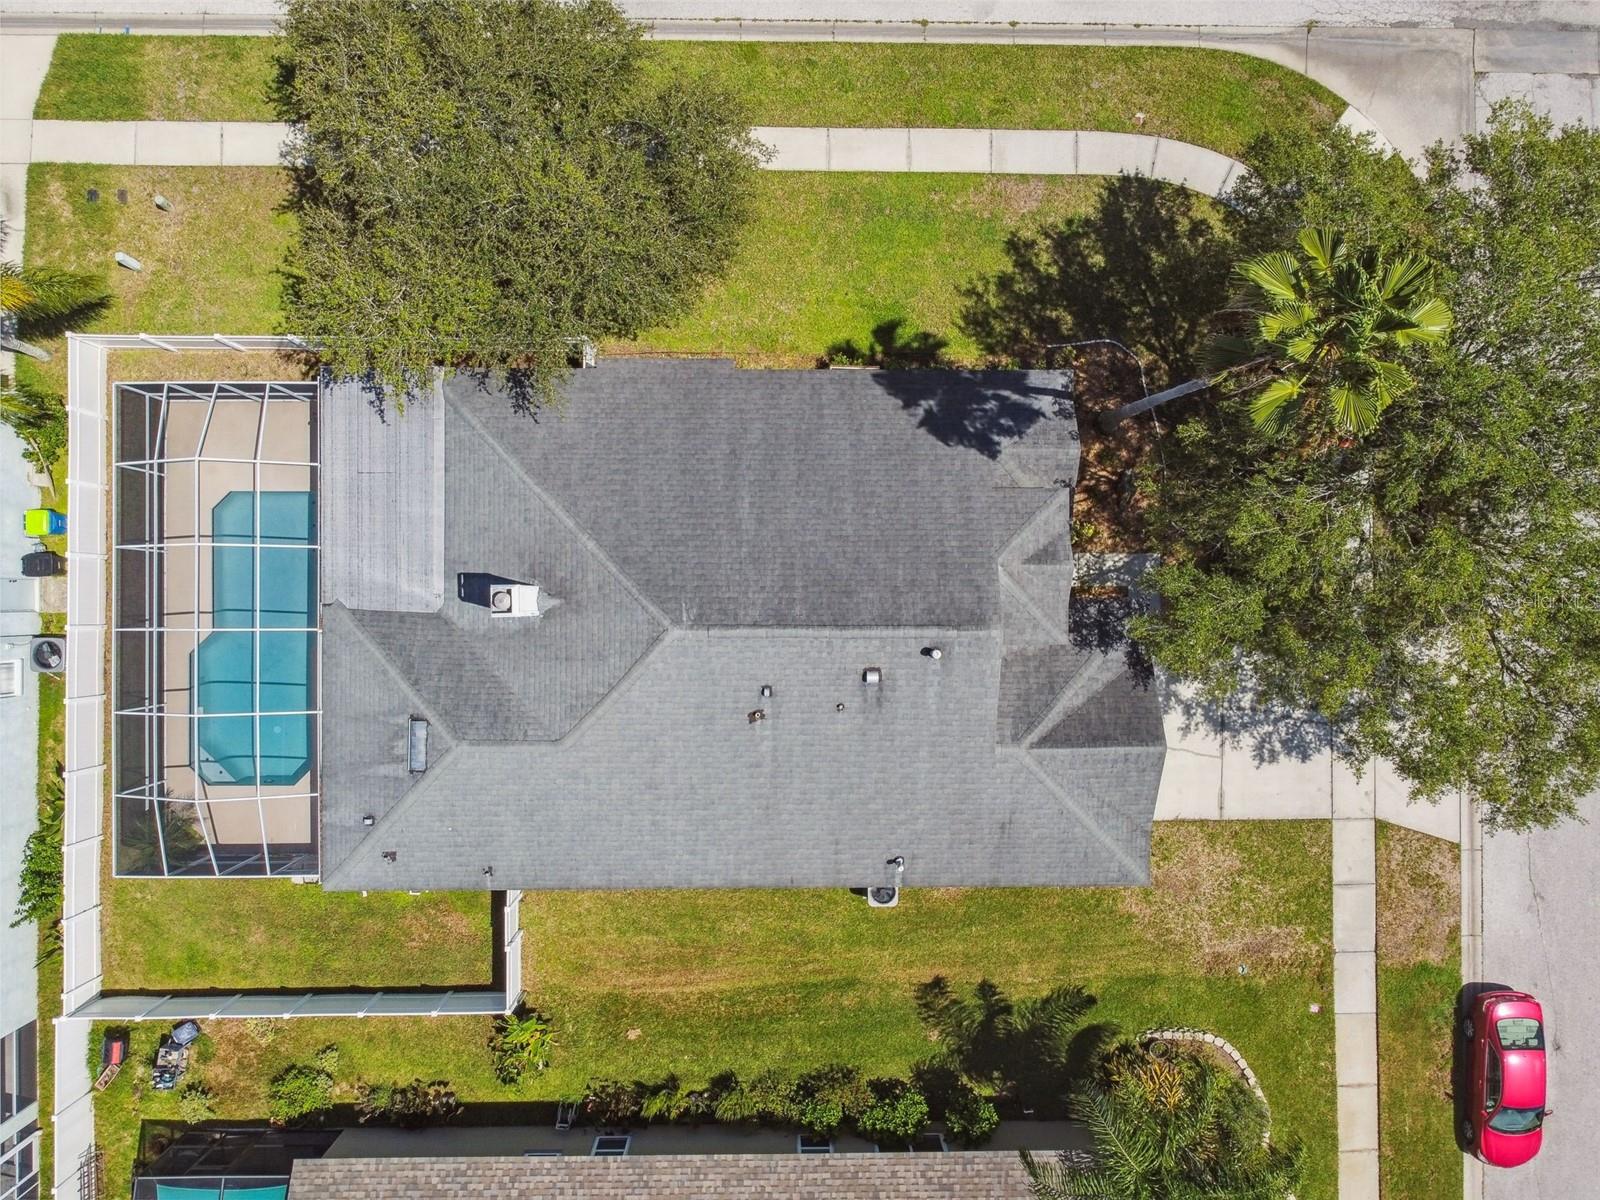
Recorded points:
(1101,670)
(421,787)
(1077,812)
(851,631)
(562,515)
(393,668)
(623,682)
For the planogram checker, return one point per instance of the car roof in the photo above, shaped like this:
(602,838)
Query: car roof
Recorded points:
(1523,1079)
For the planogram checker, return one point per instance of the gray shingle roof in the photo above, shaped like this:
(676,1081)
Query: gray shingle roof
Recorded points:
(967,1175)
(709,531)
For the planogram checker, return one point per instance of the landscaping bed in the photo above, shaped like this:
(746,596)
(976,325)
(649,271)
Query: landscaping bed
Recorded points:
(1210,97)
(1419,974)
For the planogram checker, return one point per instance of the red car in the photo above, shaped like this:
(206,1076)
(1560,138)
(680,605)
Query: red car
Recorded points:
(1504,1032)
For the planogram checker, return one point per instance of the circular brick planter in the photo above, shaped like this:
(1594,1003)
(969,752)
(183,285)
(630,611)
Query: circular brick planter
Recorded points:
(1222,1045)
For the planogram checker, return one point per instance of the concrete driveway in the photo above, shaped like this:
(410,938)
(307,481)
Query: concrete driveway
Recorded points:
(1541,933)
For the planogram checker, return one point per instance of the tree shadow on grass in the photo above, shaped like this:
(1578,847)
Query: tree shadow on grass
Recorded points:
(1148,267)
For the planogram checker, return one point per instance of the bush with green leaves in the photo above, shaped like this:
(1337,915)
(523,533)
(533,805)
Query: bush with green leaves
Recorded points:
(39,885)
(897,1116)
(482,181)
(414,1105)
(520,1042)
(299,1093)
(971,1119)
(38,417)
(767,1098)
(830,1096)
(195,1103)
(613,1102)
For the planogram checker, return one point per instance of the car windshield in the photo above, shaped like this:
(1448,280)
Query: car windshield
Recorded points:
(1520,1033)
(1517,1120)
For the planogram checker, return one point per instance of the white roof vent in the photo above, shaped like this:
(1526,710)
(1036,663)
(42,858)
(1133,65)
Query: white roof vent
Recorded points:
(514,600)
(872,675)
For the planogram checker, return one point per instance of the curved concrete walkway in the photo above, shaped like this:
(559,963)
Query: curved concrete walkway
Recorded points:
(984,151)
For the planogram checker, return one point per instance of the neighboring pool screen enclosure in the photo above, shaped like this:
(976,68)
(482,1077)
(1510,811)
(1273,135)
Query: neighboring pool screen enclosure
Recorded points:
(214,650)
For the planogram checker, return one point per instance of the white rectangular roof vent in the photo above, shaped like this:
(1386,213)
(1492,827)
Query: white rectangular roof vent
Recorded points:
(872,675)
(514,600)
(417,746)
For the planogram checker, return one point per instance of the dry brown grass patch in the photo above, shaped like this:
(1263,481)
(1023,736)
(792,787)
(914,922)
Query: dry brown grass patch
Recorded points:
(1211,909)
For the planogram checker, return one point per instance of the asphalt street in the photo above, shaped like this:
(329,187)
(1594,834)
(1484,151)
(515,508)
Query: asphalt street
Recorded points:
(1541,927)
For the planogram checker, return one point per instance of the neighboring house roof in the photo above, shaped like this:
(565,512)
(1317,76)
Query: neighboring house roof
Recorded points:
(968,1174)
(705,532)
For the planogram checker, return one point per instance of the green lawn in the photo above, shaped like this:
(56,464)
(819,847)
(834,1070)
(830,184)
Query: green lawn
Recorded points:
(211,265)
(642,984)
(237,1060)
(828,257)
(110,77)
(271,933)
(1419,954)
(1210,97)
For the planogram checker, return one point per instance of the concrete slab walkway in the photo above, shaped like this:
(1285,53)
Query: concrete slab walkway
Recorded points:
(984,151)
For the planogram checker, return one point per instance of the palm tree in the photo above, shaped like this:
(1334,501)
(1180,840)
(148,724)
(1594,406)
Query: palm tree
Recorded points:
(1033,1047)
(1328,327)
(1168,1128)
(44,302)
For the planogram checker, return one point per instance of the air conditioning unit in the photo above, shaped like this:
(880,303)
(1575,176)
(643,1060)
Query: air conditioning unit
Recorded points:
(514,600)
(883,897)
(48,655)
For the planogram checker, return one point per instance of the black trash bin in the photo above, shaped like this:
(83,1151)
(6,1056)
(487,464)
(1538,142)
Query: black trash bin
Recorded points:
(42,564)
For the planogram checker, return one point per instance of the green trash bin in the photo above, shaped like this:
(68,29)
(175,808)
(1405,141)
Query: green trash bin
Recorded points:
(43,522)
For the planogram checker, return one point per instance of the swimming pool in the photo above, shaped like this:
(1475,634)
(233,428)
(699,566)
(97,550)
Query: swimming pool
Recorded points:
(252,674)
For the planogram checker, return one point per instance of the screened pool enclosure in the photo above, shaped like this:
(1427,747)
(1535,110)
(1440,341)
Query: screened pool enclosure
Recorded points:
(214,653)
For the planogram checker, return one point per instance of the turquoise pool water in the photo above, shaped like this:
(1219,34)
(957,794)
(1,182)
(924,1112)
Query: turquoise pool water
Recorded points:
(265,719)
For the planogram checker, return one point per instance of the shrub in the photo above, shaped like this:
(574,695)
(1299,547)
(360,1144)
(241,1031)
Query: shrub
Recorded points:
(327,1059)
(520,1041)
(767,1099)
(613,1102)
(411,1105)
(837,1084)
(299,1092)
(39,882)
(897,1115)
(819,1116)
(971,1119)
(194,1103)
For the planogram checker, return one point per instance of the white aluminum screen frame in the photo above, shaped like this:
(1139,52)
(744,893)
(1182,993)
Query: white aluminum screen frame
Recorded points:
(153,547)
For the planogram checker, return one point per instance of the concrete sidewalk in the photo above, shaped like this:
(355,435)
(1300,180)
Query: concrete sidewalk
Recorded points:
(984,151)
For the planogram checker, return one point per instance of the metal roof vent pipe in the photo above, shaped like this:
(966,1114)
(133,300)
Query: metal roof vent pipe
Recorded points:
(933,652)
(872,675)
